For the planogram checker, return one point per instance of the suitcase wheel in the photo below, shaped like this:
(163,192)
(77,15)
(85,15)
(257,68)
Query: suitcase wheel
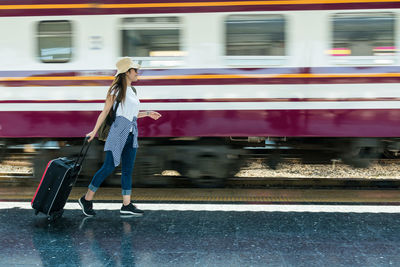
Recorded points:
(55,215)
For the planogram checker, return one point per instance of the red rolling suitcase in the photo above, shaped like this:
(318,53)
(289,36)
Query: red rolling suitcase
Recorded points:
(56,184)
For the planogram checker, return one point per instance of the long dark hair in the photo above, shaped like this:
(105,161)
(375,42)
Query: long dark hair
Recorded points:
(118,87)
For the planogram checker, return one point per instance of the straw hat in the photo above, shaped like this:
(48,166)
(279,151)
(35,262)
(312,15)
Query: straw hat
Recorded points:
(124,64)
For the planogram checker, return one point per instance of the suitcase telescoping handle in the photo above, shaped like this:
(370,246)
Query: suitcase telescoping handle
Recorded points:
(81,157)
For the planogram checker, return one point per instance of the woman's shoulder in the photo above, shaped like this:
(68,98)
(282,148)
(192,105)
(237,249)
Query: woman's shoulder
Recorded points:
(111,97)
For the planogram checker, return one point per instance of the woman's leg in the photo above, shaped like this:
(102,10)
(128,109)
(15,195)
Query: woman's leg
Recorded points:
(101,175)
(128,161)
(89,195)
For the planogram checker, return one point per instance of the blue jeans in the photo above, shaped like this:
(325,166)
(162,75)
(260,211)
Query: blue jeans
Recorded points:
(127,161)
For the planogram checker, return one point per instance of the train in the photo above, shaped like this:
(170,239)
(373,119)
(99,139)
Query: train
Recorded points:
(227,76)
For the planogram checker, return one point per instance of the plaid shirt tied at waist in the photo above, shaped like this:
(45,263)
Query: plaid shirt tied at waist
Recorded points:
(118,135)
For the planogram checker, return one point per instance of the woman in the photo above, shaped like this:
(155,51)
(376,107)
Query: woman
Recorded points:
(121,143)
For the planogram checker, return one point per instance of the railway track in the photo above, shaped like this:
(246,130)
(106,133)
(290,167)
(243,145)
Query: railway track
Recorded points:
(16,168)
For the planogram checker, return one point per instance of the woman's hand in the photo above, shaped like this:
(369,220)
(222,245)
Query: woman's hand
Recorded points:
(154,115)
(91,135)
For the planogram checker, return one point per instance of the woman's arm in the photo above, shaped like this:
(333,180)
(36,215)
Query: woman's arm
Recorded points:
(143,114)
(107,107)
(152,114)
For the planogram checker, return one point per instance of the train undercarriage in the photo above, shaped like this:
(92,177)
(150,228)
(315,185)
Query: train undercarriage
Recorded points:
(205,162)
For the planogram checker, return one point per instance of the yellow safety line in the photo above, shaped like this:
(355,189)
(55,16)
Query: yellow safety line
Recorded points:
(313,196)
(187,4)
(241,3)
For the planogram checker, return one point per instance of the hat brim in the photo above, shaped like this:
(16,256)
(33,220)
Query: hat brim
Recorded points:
(133,65)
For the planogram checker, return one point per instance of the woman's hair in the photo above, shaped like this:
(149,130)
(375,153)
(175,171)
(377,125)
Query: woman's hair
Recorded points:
(118,87)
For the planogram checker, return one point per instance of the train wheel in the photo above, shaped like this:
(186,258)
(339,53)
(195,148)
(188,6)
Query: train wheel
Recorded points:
(361,156)
(147,169)
(392,150)
(273,160)
(208,171)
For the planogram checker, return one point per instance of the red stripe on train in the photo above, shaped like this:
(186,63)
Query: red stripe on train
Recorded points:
(202,100)
(306,123)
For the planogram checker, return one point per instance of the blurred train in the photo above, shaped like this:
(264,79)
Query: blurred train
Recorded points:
(225,75)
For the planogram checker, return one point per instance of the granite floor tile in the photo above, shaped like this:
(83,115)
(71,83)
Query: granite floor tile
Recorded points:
(161,259)
(317,260)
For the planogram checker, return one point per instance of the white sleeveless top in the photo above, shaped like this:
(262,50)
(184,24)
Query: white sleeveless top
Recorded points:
(129,108)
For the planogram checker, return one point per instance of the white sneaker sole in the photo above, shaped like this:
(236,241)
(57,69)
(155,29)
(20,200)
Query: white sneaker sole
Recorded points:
(83,210)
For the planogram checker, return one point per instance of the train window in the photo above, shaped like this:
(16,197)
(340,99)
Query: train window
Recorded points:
(255,37)
(153,40)
(54,41)
(363,38)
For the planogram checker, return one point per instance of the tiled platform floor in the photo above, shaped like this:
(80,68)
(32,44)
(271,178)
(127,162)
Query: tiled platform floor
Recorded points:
(199,238)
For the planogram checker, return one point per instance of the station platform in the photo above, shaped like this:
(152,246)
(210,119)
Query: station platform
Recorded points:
(203,235)
(206,227)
